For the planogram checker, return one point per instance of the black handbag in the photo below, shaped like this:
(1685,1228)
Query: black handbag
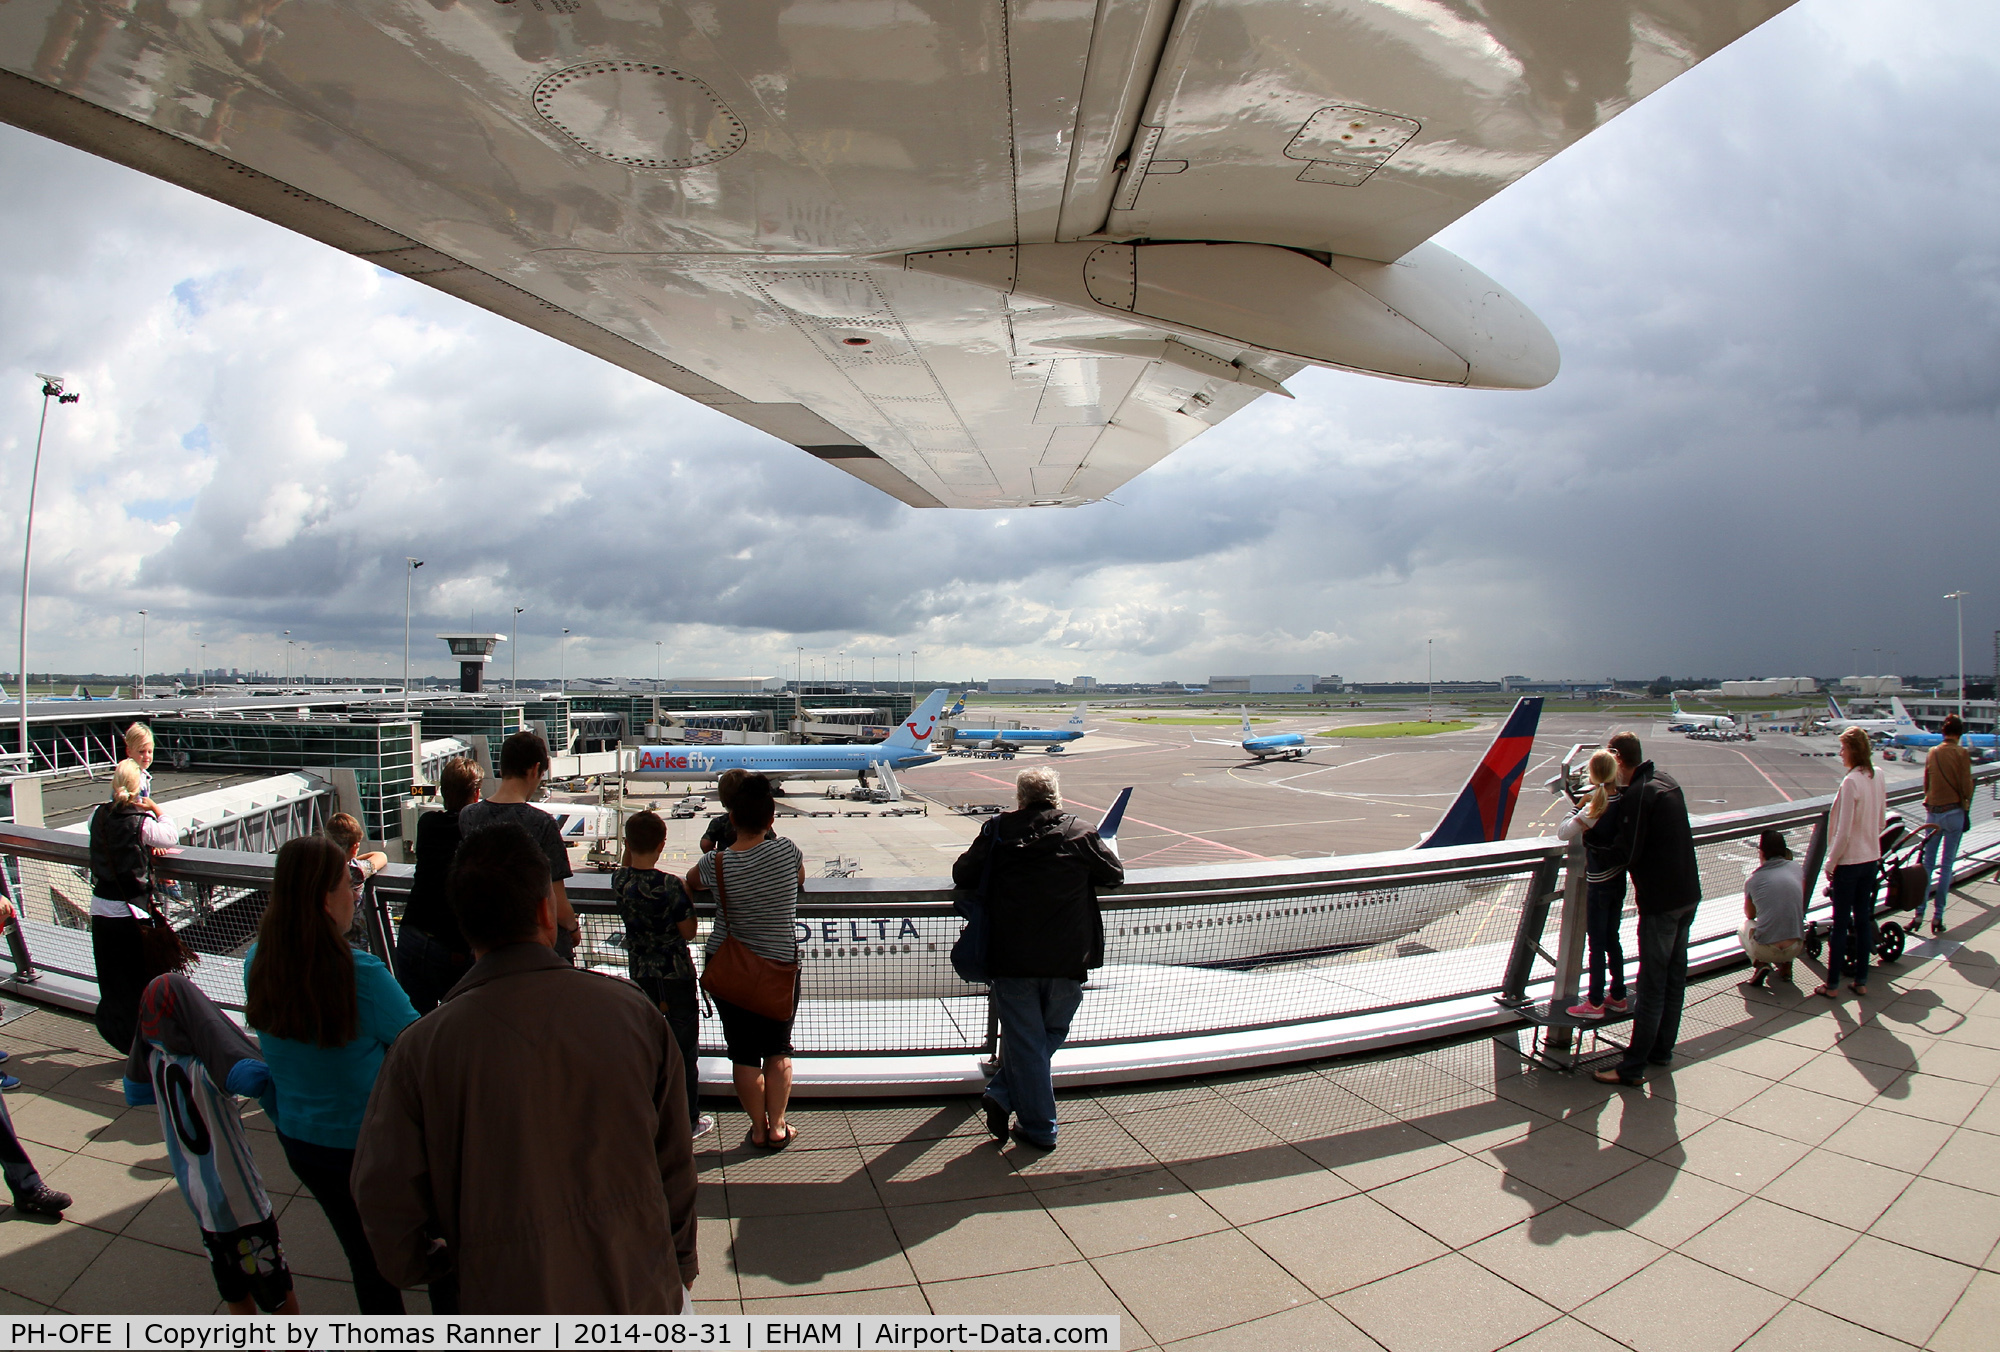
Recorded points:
(969,950)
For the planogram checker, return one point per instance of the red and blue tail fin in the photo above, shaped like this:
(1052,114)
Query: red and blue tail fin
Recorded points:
(1485,806)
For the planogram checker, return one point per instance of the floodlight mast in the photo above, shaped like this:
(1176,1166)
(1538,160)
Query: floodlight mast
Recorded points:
(52,388)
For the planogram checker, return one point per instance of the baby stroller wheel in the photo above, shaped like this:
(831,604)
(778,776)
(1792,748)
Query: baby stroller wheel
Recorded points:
(1889,942)
(1815,942)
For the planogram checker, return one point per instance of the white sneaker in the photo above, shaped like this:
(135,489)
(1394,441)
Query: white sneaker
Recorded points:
(704,1125)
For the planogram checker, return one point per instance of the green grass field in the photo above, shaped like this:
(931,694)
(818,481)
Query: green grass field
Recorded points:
(1184,722)
(1394,729)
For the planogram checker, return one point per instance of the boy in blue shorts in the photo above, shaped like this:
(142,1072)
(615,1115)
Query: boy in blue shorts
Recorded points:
(659,921)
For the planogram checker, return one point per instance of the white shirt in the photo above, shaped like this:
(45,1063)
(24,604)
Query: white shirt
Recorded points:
(1854,829)
(157,835)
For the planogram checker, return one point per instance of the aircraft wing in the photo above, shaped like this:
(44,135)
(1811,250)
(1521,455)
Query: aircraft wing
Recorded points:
(976,253)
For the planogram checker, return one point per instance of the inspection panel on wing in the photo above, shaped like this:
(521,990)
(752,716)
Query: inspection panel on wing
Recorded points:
(977,253)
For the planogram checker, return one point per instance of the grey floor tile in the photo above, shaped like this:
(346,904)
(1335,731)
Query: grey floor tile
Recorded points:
(1961,1061)
(1561,1161)
(1890,1289)
(1737,1156)
(1771,1246)
(40,1259)
(1766,1057)
(1303,1110)
(1467,1200)
(1970,1325)
(797,1182)
(715,1249)
(980,1237)
(1449,1304)
(1840,1076)
(1564,1256)
(949,1170)
(1259,1184)
(1199,1285)
(1312,1327)
(1708,1086)
(1198,1130)
(317,1295)
(1343,1244)
(1134,1211)
(129,1277)
(1679,1305)
(819,1252)
(1660,1203)
(1875,1134)
(1374,1156)
(1801,1328)
(1073,1288)
(1943,1220)
(1932,1097)
(1099,1148)
(1565,1335)
(1842,1189)
(1796,1114)
(883,1300)
(108,1196)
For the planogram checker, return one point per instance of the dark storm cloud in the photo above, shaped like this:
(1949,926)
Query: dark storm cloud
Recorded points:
(1776,284)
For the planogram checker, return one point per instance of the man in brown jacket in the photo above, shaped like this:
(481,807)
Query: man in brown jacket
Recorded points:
(1948,807)
(534,1123)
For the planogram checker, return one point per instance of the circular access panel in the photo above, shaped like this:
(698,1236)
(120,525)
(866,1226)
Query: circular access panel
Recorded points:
(638,114)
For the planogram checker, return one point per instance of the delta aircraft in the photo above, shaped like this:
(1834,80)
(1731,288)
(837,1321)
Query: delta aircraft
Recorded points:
(906,747)
(905,957)
(1270,746)
(1054,739)
(1686,722)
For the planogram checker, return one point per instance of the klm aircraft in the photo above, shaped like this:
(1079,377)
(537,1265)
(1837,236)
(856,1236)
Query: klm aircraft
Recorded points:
(906,747)
(1054,739)
(1910,735)
(1275,745)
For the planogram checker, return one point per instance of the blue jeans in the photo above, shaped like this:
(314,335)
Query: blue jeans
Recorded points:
(1951,824)
(1035,1014)
(1663,974)
(1852,942)
(1604,907)
(14,1162)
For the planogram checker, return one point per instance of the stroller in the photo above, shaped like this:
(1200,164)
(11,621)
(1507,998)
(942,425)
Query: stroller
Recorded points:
(1900,886)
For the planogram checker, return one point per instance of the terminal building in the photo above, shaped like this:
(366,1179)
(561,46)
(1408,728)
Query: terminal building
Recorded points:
(1262,685)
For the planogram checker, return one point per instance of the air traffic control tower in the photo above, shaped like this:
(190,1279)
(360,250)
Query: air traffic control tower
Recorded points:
(473,652)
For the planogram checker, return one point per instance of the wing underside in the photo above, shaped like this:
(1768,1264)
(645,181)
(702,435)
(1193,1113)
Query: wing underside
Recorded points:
(728,199)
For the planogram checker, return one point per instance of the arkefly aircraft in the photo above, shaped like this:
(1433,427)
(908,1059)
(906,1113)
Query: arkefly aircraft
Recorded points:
(900,958)
(1686,722)
(907,746)
(1271,745)
(975,253)
(1052,739)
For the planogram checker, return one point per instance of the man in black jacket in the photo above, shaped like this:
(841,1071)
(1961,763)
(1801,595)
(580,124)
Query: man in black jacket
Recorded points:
(1044,935)
(1656,843)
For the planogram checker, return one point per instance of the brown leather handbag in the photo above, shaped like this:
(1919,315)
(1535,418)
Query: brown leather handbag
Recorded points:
(745,979)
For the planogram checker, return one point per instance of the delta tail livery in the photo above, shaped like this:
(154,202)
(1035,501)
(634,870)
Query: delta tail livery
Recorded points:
(995,738)
(908,746)
(1485,806)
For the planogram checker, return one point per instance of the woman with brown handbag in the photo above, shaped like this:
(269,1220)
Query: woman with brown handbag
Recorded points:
(750,964)
(123,834)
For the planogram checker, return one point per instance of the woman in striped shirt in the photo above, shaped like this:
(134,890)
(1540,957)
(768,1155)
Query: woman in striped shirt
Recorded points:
(761,878)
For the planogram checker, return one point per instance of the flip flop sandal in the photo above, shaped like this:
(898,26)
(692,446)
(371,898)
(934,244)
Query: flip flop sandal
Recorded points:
(791,1134)
(1829,992)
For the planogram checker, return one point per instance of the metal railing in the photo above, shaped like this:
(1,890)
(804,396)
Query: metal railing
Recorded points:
(1205,966)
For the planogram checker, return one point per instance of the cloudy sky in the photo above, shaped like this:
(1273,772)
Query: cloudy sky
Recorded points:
(1776,284)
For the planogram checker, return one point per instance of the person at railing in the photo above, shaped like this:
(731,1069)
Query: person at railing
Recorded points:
(524,764)
(1595,824)
(659,921)
(324,1014)
(1656,847)
(1853,859)
(344,830)
(431,952)
(1039,868)
(139,750)
(762,875)
(123,834)
(719,834)
(1774,912)
(532,1130)
(1948,808)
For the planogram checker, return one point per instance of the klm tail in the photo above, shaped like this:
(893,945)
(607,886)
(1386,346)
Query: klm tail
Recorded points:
(1107,830)
(1485,806)
(915,733)
(1075,723)
(1246,721)
(1903,719)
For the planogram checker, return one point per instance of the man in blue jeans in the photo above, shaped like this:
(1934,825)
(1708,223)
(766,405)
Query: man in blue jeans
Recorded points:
(1656,846)
(1041,869)
(1948,808)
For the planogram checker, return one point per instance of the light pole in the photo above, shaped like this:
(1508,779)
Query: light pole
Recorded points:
(1959,598)
(1430,681)
(288,657)
(840,669)
(562,655)
(142,654)
(799,687)
(52,388)
(656,666)
(410,567)
(514,654)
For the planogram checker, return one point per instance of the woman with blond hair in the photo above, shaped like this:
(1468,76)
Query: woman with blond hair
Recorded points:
(1595,823)
(123,834)
(1853,858)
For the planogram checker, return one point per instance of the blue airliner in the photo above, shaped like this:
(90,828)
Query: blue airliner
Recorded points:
(906,747)
(1910,735)
(1271,745)
(1054,739)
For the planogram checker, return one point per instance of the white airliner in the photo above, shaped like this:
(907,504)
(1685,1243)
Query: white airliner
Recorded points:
(1275,745)
(905,748)
(1874,727)
(976,253)
(1683,722)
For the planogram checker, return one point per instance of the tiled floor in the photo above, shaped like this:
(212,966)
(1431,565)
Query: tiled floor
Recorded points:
(1807,1175)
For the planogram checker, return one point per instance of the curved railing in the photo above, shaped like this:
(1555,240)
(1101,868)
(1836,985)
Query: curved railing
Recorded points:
(1206,967)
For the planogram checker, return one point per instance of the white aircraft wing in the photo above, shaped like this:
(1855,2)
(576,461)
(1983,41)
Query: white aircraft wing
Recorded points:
(977,253)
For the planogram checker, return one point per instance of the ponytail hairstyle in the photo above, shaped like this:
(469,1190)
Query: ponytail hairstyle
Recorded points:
(1603,774)
(125,782)
(1859,750)
(301,984)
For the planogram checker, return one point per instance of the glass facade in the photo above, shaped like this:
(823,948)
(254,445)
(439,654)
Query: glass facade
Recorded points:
(381,754)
